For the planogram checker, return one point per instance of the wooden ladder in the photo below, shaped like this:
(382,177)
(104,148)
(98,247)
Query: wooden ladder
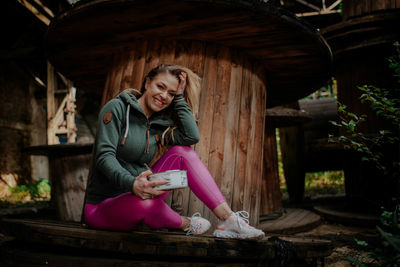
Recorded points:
(60,114)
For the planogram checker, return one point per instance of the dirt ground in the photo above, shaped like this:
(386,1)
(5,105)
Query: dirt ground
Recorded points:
(343,239)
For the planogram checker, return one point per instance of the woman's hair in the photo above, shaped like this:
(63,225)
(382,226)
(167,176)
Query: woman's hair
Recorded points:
(192,90)
(191,95)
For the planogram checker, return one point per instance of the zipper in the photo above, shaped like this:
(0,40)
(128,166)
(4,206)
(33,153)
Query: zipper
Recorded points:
(146,150)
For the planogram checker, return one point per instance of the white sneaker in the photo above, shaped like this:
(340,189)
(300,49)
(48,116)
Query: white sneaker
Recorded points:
(237,226)
(198,225)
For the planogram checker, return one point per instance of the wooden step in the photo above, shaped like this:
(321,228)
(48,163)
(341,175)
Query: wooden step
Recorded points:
(169,246)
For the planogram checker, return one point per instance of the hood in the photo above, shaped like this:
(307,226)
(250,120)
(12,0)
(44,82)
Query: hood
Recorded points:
(130,96)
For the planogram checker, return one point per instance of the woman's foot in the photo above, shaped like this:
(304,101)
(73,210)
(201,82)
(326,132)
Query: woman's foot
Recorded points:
(237,226)
(198,225)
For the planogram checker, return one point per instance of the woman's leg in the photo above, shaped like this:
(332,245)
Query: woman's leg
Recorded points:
(124,212)
(231,225)
(200,180)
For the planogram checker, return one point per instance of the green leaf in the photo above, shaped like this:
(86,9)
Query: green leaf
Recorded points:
(361,242)
(352,125)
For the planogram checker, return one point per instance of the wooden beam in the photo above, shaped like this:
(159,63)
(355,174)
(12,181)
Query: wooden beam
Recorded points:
(34,11)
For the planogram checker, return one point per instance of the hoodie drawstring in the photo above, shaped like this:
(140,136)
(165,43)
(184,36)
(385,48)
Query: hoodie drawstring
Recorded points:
(128,108)
(127,125)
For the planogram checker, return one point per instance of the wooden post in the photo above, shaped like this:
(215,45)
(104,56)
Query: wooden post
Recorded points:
(271,201)
(231,115)
(51,106)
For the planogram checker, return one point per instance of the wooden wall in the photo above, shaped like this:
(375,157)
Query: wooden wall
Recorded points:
(231,116)
(22,123)
(355,8)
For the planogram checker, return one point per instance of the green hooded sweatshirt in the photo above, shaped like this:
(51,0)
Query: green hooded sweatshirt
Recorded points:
(115,165)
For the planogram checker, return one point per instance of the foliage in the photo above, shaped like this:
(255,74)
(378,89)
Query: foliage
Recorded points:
(329,90)
(34,191)
(386,105)
(388,254)
(320,183)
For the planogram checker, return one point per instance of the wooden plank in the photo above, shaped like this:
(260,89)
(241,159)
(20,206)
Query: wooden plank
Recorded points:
(152,56)
(217,144)
(111,76)
(197,56)
(50,101)
(208,85)
(138,68)
(252,187)
(120,67)
(126,80)
(181,197)
(271,198)
(241,152)
(197,64)
(167,53)
(70,174)
(148,244)
(232,124)
(379,5)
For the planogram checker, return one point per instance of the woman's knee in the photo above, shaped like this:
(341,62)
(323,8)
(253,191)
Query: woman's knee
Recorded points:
(151,205)
(185,151)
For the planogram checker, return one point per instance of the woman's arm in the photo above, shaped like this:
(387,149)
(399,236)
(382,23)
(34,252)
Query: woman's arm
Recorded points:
(107,140)
(187,132)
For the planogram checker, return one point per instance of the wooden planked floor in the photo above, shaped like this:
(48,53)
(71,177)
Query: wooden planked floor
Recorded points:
(54,237)
(292,221)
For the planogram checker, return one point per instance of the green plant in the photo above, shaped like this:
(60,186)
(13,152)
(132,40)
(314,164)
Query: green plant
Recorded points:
(388,254)
(386,104)
(39,190)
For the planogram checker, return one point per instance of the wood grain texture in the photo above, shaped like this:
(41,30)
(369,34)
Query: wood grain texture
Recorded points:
(69,176)
(151,247)
(295,56)
(271,197)
(358,8)
(232,112)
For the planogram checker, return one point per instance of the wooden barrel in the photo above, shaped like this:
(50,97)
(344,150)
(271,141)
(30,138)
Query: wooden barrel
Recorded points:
(366,7)
(69,169)
(231,114)
(305,146)
(233,45)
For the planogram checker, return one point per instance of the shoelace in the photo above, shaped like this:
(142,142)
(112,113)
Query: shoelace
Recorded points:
(193,228)
(244,215)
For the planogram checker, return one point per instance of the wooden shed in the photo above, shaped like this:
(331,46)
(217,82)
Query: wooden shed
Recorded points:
(249,54)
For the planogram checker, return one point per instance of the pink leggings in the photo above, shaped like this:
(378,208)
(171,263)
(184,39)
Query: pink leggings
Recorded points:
(124,212)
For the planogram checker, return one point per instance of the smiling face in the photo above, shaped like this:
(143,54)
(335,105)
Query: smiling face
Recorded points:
(159,93)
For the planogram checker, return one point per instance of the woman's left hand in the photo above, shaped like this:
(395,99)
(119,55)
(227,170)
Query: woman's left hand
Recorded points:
(182,83)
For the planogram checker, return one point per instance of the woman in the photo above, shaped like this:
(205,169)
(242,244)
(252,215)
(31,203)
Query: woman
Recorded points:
(134,129)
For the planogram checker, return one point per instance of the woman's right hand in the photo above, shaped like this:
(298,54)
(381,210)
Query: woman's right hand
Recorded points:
(144,188)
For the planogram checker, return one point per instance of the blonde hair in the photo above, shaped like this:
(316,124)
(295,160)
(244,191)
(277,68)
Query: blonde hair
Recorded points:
(191,96)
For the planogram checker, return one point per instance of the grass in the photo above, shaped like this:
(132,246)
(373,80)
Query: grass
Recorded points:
(27,194)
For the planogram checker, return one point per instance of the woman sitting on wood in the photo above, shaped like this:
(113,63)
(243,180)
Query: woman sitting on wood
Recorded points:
(133,130)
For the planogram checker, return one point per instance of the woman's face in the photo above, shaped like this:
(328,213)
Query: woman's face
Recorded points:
(159,93)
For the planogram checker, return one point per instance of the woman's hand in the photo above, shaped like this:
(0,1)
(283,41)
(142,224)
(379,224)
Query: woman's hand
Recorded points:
(144,188)
(182,83)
